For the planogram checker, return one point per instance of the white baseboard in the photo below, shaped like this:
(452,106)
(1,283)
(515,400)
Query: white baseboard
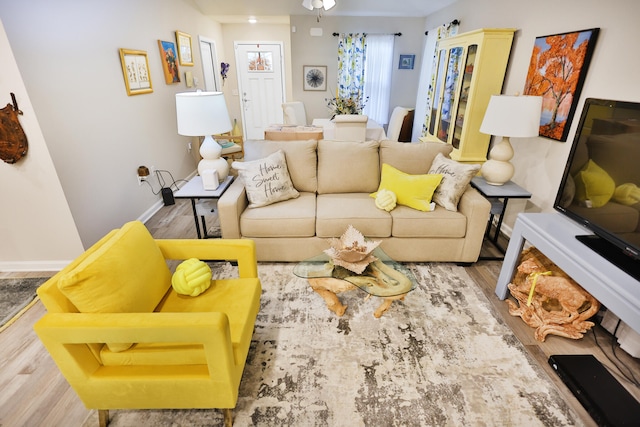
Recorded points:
(146,215)
(17,266)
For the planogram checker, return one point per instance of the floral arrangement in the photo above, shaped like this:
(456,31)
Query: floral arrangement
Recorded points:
(353,104)
(224,68)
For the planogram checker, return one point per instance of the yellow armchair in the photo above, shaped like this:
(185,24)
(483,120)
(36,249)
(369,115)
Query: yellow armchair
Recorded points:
(119,348)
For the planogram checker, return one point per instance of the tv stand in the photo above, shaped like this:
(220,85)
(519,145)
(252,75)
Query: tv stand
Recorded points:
(555,236)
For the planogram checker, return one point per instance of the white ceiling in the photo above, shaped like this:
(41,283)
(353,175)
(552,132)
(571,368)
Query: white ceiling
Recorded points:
(278,11)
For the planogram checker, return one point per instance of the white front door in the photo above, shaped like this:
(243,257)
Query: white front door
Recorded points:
(261,85)
(209,64)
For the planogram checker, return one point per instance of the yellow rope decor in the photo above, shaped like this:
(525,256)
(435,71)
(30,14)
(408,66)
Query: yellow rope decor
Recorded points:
(533,284)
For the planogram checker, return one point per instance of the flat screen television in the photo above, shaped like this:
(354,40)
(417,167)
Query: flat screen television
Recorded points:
(600,187)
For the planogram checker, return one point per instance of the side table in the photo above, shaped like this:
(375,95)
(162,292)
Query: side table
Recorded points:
(193,190)
(499,196)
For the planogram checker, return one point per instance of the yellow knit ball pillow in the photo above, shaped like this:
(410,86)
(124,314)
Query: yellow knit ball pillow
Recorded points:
(192,277)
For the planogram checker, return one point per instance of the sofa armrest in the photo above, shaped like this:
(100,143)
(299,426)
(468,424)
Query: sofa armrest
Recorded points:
(230,206)
(60,332)
(241,250)
(476,209)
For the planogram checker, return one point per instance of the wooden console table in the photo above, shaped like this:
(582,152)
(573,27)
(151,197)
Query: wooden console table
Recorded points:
(554,235)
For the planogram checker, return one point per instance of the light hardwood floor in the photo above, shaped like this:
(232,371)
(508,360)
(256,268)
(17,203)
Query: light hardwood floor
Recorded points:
(33,393)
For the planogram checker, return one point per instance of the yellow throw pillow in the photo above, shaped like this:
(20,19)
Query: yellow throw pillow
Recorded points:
(414,191)
(126,274)
(594,186)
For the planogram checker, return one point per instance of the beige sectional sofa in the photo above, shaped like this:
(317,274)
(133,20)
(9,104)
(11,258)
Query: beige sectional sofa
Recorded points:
(334,180)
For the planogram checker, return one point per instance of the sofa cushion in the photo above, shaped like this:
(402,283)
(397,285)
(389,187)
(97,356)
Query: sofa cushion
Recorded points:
(337,211)
(455,179)
(126,274)
(291,218)
(266,180)
(301,156)
(412,158)
(440,222)
(414,191)
(348,167)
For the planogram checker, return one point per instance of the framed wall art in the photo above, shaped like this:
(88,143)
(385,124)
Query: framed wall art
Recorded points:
(185,52)
(406,62)
(169,60)
(135,69)
(314,77)
(557,72)
(258,62)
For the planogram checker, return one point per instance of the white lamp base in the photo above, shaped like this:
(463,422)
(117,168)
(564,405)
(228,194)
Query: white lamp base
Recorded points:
(210,151)
(498,170)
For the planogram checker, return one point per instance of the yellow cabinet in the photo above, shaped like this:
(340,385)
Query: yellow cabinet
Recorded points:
(470,68)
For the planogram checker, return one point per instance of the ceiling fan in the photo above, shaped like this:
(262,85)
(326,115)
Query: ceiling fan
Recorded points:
(318,4)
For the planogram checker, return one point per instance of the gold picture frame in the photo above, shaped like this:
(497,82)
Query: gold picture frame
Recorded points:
(135,70)
(185,52)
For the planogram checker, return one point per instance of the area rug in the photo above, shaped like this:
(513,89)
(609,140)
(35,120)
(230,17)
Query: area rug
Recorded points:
(441,357)
(15,296)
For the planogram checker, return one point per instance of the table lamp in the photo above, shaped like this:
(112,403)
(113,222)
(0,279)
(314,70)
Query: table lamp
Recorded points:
(508,116)
(205,114)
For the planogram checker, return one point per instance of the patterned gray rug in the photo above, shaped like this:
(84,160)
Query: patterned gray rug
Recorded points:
(441,357)
(16,294)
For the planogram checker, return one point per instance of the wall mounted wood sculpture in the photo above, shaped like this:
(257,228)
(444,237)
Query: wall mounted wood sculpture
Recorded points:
(13,140)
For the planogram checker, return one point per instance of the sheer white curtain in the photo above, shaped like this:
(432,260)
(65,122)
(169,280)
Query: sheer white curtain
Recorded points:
(378,68)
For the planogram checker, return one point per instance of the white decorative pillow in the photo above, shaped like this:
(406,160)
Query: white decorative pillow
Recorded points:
(455,178)
(266,180)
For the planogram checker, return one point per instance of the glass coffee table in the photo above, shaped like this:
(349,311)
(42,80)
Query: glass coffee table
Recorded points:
(384,278)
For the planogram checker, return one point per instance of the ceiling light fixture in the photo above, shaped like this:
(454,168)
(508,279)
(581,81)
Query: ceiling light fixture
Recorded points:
(319,5)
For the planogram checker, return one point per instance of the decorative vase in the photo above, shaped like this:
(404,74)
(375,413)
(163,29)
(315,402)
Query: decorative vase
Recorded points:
(236,129)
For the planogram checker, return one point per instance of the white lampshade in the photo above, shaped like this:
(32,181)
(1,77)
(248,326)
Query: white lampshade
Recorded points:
(508,116)
(202,113)
(205,114)
(517,116)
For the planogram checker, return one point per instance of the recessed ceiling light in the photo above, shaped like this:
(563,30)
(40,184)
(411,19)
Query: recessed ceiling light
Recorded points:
(252,20)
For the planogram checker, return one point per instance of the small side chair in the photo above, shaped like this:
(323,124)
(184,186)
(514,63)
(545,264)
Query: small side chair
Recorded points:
(124,339)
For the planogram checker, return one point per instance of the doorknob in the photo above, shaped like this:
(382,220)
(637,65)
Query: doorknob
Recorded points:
(245,101)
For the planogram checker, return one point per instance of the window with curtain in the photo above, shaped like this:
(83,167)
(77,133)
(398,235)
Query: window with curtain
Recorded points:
(378,68)
(365,65)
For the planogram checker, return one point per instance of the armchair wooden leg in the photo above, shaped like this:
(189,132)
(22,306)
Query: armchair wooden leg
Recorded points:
(103,417)
(228,417)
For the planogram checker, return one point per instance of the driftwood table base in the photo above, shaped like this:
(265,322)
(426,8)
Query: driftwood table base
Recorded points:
(328,288)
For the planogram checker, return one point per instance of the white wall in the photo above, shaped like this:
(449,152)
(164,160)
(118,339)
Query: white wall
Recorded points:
(308,50)
(67,54)
(37,231)
(613,73)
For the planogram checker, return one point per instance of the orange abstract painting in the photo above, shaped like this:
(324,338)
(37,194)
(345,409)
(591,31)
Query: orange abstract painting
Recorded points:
(556,72)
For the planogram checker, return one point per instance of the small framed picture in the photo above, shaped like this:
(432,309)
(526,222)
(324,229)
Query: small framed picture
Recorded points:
(184,48)
(314,77)
(135,68)
(169,59)
(406,62)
